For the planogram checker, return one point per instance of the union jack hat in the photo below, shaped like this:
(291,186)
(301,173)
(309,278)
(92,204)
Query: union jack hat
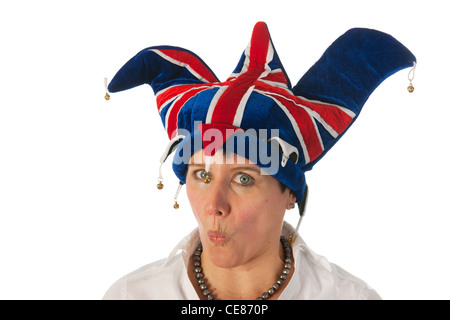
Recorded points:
(303,121)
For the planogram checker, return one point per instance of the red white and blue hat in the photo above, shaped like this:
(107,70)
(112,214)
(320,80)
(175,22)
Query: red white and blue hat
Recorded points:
(303,121)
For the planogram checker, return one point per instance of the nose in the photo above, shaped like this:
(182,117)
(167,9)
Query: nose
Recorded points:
(217,200)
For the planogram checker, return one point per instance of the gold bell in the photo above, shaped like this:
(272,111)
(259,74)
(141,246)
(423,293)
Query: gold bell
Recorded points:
(207,179)
(291,239)
(176,205)
(106,88)
(411,88)
(160,185)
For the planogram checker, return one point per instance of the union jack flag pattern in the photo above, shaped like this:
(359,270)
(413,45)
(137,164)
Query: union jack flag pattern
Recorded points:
(310,117)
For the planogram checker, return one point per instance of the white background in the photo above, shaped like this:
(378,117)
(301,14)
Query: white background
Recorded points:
(78,200)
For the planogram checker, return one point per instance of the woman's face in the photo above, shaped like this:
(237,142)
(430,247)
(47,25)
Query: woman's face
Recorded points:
(239,213)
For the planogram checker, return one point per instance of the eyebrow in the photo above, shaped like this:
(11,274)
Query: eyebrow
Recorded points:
(253,168)
(196,165)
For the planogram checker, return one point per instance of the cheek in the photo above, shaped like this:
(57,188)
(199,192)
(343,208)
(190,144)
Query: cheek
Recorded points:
(254,213)
(268,211)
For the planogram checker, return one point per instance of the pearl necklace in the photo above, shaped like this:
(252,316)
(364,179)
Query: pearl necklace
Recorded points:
(202,281)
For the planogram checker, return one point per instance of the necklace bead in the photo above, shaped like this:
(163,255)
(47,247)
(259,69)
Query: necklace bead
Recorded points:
(266,295)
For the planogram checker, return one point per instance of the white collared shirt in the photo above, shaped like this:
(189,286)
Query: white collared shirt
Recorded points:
(314,277)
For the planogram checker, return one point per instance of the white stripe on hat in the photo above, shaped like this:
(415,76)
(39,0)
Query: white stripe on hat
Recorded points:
(240,110)
(213,103)
(179,63)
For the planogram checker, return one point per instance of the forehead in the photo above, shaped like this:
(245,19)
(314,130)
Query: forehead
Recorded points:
(223,158)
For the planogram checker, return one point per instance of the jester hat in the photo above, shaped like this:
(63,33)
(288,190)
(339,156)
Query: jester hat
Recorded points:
(308,119)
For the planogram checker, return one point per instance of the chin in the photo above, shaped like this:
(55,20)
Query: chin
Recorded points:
(223,256)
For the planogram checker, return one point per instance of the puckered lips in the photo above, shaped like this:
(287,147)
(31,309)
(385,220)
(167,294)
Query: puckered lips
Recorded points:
(217,237)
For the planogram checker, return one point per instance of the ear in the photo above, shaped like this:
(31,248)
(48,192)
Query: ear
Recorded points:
(162,67)
(291,199)
(292,196)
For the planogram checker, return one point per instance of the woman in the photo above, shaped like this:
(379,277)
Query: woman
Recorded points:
(242,147)
(240,217)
